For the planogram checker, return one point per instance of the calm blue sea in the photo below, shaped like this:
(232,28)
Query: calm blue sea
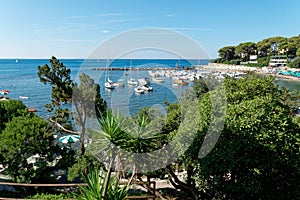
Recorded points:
(20,77)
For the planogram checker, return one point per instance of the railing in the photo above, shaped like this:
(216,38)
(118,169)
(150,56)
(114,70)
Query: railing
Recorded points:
(153,196)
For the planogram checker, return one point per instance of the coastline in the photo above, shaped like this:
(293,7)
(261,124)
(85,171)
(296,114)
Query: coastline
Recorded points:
(242,68)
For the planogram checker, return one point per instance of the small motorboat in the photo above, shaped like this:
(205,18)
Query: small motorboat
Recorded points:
(32,109)
(131,81)
(139,90)
(158,80)
(146,88)
(4,92)
(24,97)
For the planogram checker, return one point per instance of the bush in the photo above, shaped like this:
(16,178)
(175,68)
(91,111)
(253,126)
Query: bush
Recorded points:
(52,196)
(254,65)
(235,62)
(295,63)
(263,61)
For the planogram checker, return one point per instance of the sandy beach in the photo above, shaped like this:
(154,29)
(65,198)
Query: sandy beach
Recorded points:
(242,68)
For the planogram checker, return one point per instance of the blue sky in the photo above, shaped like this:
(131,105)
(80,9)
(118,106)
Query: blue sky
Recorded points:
(73,29)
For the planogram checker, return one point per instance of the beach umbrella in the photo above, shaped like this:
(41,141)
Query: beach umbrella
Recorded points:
(69,139)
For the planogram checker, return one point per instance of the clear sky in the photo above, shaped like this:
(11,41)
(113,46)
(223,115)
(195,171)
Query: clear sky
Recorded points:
(72,29)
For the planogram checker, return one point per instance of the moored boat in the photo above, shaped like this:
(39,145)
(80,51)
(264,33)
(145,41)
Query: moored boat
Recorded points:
(131,81)
(146,88)
(32,109)
(109,84)
(4,92)
(139,90)
(158,80)
(24,97)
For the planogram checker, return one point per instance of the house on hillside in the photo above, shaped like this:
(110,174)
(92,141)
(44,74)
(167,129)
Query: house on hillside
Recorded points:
(278,61)
(253,59)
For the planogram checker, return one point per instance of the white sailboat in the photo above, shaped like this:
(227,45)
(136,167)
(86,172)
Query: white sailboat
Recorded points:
(131,81)
(158,79)
(108,83)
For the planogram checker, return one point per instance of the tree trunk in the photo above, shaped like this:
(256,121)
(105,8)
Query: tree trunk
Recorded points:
(82,133)
(181,185)
(107,177)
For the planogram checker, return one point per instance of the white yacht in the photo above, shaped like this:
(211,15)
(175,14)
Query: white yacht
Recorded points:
(139,90)
(109,84)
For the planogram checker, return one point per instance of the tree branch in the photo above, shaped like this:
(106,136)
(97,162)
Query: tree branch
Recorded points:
(63,128)
(178,184)
(157,194)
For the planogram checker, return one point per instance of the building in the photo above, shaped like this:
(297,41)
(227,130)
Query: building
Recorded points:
(253,59)
(278,61)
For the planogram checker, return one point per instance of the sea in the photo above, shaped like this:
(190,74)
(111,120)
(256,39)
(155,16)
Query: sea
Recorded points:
(19,76)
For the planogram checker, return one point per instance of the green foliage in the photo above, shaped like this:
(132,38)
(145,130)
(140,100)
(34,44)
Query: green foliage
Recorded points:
(95,186)
(264,48)
(298,51)
(87,102)
(85,96)
(60,78)
(257,153)
(244,50)
(24,137)
(227,53)
(263,61)
(235,62)
(142,131)
(173,119)
(295,63)
(51,196)
(200,87)
(81,166)
(10,109)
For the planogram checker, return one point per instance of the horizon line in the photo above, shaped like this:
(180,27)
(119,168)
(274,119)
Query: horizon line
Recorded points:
(68,58)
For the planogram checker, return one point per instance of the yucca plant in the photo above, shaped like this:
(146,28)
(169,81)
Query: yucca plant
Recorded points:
(115,192)
(95,187)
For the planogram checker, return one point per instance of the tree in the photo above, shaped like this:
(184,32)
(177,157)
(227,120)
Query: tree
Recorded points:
(298,52)
(292,45)
(244,50)
(263,47)
(257,153)
(277,44)
(10,109)
(59,77)
(295,63)
(28,138)
(227,53)
(87,102)
(86,97)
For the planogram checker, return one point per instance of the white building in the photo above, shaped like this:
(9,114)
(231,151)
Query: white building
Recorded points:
(253,59)
(278,61)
